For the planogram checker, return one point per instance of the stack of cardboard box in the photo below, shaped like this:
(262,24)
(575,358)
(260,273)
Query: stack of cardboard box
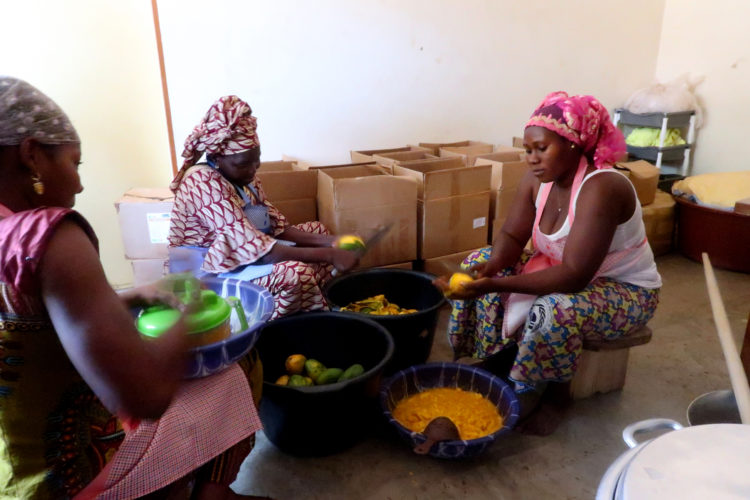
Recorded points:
(657,206)
(144,215)
(291,189)
(453,205)
(360,200)
(466,150)
(364,156)
(508,168)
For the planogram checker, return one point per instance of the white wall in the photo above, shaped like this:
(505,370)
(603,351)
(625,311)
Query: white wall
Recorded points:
(328,76)
(323,77)
(712,39)
(98,60)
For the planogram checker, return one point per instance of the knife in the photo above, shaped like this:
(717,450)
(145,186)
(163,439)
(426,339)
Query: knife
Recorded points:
(373,240)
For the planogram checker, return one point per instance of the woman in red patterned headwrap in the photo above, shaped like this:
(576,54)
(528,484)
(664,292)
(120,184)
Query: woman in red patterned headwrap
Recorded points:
(220,208)
(592,273)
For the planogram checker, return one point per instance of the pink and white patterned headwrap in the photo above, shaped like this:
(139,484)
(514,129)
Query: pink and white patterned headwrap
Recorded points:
(228,128)
(584,121)
(27,112)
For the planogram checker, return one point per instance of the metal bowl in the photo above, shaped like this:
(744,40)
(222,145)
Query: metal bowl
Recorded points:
(715,407)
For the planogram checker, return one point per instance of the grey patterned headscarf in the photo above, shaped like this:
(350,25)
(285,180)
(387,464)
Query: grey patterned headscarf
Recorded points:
(27,112)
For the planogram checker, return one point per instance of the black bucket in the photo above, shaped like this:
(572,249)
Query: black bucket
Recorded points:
(325,419)
(412,333)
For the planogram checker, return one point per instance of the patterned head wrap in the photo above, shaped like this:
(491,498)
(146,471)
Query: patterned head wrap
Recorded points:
(228,128)
(584,121)
(27,112)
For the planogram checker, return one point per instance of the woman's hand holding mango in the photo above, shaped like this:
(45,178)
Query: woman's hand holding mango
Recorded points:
(343,260)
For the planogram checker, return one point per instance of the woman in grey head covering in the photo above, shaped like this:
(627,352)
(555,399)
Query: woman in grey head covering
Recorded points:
(73,368)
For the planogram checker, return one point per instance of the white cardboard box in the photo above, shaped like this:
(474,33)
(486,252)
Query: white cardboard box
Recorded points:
(144,215)
(147,271)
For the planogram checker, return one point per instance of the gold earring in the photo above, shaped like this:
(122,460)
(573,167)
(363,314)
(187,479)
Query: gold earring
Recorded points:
(572,146)
(38,184)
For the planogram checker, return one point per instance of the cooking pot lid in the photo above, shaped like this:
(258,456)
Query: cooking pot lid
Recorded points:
(705,461)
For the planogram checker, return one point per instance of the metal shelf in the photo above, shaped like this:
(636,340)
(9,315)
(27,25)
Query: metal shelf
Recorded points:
(663,121)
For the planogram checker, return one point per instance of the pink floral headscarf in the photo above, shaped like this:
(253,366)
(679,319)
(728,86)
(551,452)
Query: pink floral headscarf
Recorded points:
(228,128)
(583,120)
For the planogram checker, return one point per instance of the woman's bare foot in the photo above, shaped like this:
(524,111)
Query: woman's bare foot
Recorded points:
(543,416)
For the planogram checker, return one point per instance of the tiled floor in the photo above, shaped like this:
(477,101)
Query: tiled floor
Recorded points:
(683,360)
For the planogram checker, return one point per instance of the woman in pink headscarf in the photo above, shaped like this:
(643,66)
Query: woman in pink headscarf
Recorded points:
(221,211)
(592,274)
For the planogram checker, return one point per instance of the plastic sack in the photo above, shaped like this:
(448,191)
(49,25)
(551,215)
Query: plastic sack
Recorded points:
(677,95)
(647,136)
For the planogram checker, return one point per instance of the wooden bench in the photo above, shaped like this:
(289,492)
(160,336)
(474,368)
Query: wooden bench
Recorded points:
(604,363)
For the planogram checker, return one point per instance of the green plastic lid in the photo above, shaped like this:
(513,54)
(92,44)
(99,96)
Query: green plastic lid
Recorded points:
(213,311)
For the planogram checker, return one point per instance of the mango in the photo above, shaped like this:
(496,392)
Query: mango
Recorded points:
(456,282)
(350,242)
(283,380)
(295,364)
(299,381)
(329,376)
(352,372)
(313,368)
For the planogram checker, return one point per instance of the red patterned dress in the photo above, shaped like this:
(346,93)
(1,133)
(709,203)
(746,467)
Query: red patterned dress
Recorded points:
(208,212)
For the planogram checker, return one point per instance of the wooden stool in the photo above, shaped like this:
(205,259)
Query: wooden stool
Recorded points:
(603,364)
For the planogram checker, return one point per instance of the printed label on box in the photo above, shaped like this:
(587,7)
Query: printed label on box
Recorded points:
(158,226)
(480,222)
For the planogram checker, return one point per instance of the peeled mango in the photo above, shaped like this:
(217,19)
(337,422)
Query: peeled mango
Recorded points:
(457,282)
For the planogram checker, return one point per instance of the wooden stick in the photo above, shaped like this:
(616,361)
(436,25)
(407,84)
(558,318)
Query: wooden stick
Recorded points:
(736,373)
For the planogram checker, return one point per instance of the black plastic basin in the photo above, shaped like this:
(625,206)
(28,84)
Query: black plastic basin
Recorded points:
(412,333)
(325,419)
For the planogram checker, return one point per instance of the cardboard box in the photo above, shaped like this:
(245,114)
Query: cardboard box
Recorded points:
(445,177)
(290,189)
(291,184)
(147,271)
(742,206)
(453,206)
(659,220)
(446,264)
(467,152)
(453,224)
(517,142)
(144,215)
(434,147)
(500,203)
(360,199)
(505,174)
(390,159)
(278,166)
(298,211)
(366,155)
(645,178)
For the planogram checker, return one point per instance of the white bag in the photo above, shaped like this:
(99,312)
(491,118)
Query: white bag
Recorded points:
(677,95)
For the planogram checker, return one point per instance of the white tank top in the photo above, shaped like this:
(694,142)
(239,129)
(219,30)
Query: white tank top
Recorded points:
(629,258)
